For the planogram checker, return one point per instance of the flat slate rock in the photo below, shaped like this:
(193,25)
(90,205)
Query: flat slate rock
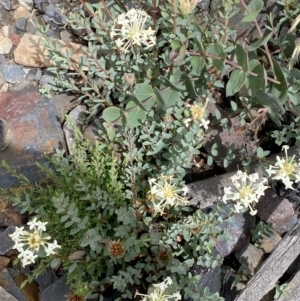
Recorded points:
(59,290)
(36,130)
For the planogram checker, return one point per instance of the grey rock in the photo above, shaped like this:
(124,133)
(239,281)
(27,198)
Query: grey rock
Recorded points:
(5,134)
(68,36)
(13,73)
(59,290)
(6,4)
(250,256)
(26,3)
(11,279)
(237,232)
(46,279)
(74,119)
(2,78)
(46,79)
(40,5)
(20,24)
(5,296)
(6,242)
(54,17)
(34,74)
(204,4)
(3,16)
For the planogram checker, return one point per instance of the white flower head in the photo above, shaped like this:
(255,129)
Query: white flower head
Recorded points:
(247,190)
(129,30)
(285,169)
(158,292)
(165,192)
(28,243)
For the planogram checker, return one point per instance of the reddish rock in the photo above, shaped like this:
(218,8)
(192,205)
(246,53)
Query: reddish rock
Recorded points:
(277,210)
(8,216)
(36,130)
(269,243)
(4,262)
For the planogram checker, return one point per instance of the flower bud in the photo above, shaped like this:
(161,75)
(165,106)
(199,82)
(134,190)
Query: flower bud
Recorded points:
(187,6)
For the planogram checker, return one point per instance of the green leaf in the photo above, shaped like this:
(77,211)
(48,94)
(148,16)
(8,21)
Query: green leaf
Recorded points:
(143,91)
(261,153)
(55,263)
(197,63)
(159,99)
(256,83)
(254,8)
(171,97)
(113,115)
(176,44)
(217,50)
(189,86)
(135,114)
(280,90)
(260,42)
(110,130)
(273,103)
(236,81)
(242,57)
(179,60)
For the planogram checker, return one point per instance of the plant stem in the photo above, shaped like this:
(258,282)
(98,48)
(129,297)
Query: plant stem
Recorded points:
(174,15)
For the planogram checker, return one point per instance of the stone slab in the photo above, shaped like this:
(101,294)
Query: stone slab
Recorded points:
(36,130)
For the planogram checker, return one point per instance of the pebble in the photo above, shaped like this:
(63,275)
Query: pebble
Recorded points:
(5,31)
(6,4)
(3,16)
(40,6)
(26,3)
(55,14)
(20,24)
(21,12)
(13,73)
(5,45)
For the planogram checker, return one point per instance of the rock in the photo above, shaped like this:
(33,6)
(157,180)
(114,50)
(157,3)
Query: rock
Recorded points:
(269,243)
(2,80)
(68,36)
(5,31)
(21,12)
(15,39)
(3,16)
(250,256)
(20,24)
(54,17)
(34,74)
(5,45)
(31,53)
(237,232)
(5,296)
(40,5)
(64,103)
(28,4)
(59,290)
(5,134)
(46,79)
(6,242)
(11,279)
(8,215)
(13,73)
(6,4)
(277,210)
(74,120)
(46,279)
(36,130)
(204,4)
(4,262)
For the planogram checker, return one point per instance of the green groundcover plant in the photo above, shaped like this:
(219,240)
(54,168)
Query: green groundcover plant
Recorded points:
(114,213)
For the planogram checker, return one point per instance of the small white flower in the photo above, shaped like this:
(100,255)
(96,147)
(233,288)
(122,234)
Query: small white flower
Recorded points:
(129,28)
(204,123)
(158,293)
(248,190)
(165,193)
(51,247)
(285,169)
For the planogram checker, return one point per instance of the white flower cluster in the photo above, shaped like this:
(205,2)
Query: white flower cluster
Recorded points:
(248,190)
(158,292)
(285,169)
(129,30)
(28,243)
(165,193)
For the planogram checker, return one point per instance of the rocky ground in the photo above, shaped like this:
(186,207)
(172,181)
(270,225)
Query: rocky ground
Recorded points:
(31,125)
